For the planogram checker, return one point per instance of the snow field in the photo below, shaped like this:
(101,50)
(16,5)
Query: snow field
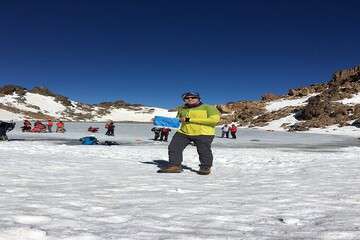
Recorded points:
(52,190)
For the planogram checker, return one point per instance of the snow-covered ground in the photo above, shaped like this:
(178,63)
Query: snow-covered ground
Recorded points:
(264,185)
(355,99)
(6,116)
(282,103)
(329,130)
(45,104)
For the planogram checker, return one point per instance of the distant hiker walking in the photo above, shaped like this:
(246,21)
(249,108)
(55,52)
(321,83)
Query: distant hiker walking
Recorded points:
(60,127)
(164,134)
(50,125)
(233,130)
(225,131)
(157,132)
(110,128)
(198,123)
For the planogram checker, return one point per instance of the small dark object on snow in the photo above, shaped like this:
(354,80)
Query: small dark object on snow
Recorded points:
(297,127)
(110,143)
(356,123)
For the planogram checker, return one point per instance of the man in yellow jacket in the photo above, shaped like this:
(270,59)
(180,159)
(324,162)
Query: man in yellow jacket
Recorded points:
(198,123)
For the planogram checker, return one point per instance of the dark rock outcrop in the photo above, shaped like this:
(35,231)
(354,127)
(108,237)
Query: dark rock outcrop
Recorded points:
(270,97)
(356,123)
(10,89)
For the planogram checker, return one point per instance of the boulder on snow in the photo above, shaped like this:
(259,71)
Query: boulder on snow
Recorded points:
(356,123)
(270,97)
(297,127)
(299,92)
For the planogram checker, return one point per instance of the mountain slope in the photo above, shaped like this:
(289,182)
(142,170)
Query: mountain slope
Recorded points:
(316,106)
(17,103)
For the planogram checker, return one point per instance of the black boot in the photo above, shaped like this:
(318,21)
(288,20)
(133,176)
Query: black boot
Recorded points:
(204,170)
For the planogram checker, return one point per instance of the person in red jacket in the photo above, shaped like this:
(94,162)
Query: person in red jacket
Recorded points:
(233,130)
(164,134)
(60,127)
(110,128)
(27,126)
(50,125)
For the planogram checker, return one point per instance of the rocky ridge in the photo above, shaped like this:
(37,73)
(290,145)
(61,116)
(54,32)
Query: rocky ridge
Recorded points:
(323,107)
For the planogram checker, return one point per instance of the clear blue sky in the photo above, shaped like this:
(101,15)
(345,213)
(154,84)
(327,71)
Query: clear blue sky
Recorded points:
(150,52)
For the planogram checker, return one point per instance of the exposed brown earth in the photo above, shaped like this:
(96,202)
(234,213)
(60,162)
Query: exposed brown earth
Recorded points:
(320,111)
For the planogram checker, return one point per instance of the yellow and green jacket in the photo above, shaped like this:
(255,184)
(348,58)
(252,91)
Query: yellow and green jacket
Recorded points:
(201,119)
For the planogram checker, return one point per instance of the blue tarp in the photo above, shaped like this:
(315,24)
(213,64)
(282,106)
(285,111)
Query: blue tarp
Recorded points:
(166,122)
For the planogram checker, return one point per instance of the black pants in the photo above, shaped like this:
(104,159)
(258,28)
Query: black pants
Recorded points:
(180,141)
(3,136)
(233,134)
(110,132)
(157,135)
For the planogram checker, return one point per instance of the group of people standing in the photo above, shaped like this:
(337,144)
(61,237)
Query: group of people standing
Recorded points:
(41,127)
(161,133)
(226,129)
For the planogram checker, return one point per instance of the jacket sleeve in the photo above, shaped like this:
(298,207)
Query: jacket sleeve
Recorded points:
(212,120)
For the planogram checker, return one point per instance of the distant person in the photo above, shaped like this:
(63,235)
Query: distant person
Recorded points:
(164,134)
(4,128)
(93,129)
(233,130)
(157,132)
(60,127)
(225,131)
(50,125)
(110,128)
(39,127)
(198,123)
(26,126)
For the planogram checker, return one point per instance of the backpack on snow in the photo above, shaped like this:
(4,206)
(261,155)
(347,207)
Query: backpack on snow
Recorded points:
(89,140)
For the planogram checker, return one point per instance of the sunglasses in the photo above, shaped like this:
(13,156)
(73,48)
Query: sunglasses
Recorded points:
(187,98)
